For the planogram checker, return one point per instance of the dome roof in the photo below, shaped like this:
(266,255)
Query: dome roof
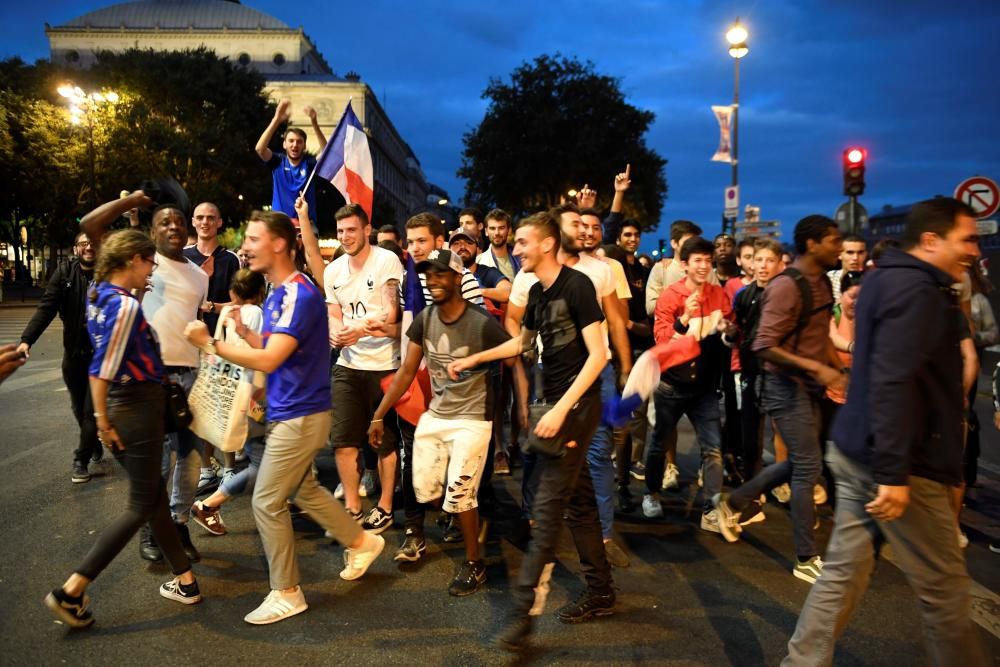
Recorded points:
(178,15)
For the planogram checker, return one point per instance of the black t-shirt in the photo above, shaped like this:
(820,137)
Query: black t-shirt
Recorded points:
(559,314)
(225,266)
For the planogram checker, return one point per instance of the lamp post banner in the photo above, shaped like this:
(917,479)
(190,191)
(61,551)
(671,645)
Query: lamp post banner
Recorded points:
(724,114)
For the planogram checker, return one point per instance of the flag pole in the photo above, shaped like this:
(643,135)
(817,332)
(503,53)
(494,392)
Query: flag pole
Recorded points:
(319,157)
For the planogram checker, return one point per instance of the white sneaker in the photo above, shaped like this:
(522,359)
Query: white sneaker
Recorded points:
(963,539)
(338,493)
(357,561)
(710,522)
(367,486)
(278,606)
(819,495)
(651,507)
(670,478)
(782,493)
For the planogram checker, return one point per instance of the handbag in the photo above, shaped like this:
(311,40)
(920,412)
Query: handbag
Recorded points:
(551,448)
(221,399)
(177,416)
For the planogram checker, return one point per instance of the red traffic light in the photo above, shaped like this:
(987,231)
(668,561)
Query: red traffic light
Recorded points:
(855,155)
(854,171)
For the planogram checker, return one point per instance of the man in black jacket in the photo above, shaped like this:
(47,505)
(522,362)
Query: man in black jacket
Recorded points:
(66,296)
(898,456)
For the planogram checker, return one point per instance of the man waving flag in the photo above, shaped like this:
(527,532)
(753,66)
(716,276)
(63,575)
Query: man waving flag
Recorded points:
(347,162)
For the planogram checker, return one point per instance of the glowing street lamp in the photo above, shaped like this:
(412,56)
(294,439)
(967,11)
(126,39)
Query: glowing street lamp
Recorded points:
(81,106)
(737,36)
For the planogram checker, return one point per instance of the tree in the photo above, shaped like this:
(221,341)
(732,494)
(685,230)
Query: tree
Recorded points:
(557,125)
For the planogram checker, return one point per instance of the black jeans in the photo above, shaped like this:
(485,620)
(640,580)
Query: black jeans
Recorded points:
(413,511)
(752,426)
(75,371)
(565,487)
(137,411)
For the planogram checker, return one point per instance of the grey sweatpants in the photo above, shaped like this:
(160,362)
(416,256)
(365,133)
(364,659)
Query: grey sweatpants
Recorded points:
(286,472)
(924,543)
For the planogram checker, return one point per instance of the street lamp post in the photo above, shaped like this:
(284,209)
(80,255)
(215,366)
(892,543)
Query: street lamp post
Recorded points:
(737,38)
(81,109)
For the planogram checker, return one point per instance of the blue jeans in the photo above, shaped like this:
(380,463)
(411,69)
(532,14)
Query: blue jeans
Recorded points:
(184,448)
(925,545)
(796,416)
(602,470)
(702,409)
(244,480)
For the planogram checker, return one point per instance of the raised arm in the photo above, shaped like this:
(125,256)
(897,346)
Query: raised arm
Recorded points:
(309,111)
(281,115)
(96,223)
(314,260)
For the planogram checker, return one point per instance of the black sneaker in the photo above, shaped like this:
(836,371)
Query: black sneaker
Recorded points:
(185,535)
(73,613)
(469,578)
(587,606)
(183,593)
(377,521)
(412,549)
(453,533)
(148,548)
(80,473)
(625,503)
(514,636)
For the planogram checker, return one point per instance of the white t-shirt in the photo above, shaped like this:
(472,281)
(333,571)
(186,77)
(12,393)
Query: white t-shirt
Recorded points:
(618,274)
(360,297)
(179,289)
(253,319)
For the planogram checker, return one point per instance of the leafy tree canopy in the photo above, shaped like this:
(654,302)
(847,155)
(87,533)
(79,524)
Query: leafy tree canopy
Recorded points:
(557,125)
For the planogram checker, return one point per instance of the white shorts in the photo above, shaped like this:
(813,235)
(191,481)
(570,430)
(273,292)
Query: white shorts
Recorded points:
(450,452)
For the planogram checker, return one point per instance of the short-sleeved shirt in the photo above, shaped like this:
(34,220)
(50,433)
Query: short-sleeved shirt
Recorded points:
(301,385)
(472,396)
(560,314)
(287,180)
(179,289)
(618,277)
(225,264)
(125,348)
(488,276)
(360,296)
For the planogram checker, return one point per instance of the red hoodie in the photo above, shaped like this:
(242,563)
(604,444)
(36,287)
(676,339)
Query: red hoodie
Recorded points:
(703,372)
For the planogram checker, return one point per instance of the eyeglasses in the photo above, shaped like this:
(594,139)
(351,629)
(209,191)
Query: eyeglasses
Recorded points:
(151,260)
(83,244)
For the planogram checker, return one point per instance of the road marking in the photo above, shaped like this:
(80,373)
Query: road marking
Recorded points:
(27,452)
(42,377)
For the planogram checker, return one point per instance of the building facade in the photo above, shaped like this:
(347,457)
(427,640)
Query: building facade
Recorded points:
(287,58)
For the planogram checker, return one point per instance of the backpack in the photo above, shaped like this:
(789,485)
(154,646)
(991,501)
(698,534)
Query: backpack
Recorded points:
(808,309)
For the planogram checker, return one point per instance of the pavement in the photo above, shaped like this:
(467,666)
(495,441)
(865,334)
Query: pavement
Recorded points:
(688,598)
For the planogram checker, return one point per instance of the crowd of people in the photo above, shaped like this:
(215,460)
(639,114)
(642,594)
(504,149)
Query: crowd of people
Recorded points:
(449,359)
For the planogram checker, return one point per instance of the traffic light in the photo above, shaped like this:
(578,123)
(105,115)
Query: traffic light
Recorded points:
(664,246)
(854,171)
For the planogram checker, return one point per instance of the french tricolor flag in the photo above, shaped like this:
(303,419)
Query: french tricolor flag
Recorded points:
(347,162)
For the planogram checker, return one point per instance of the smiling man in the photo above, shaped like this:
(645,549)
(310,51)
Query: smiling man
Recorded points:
(218,263)
(290,170)
(897,458)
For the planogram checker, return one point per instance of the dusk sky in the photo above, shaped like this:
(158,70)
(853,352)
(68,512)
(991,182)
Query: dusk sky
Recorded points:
(913,82)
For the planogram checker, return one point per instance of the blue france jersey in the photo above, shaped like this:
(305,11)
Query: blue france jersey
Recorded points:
(301,385)
(125,347)
(287,180)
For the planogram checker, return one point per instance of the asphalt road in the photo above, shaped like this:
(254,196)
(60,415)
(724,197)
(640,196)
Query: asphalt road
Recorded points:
(688,598)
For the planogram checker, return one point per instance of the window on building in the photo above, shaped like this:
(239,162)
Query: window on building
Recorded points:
(278,60)
(243,59)
(73,56)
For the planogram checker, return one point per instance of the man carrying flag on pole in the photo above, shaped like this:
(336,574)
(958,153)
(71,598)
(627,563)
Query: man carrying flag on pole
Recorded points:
(346,162)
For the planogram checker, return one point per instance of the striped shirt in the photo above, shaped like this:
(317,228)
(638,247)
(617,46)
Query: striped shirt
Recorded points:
(125,347)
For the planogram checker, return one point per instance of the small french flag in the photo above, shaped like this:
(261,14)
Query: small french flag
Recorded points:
(347,162)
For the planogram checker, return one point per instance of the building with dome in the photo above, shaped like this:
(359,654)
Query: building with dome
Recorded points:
(286,56)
